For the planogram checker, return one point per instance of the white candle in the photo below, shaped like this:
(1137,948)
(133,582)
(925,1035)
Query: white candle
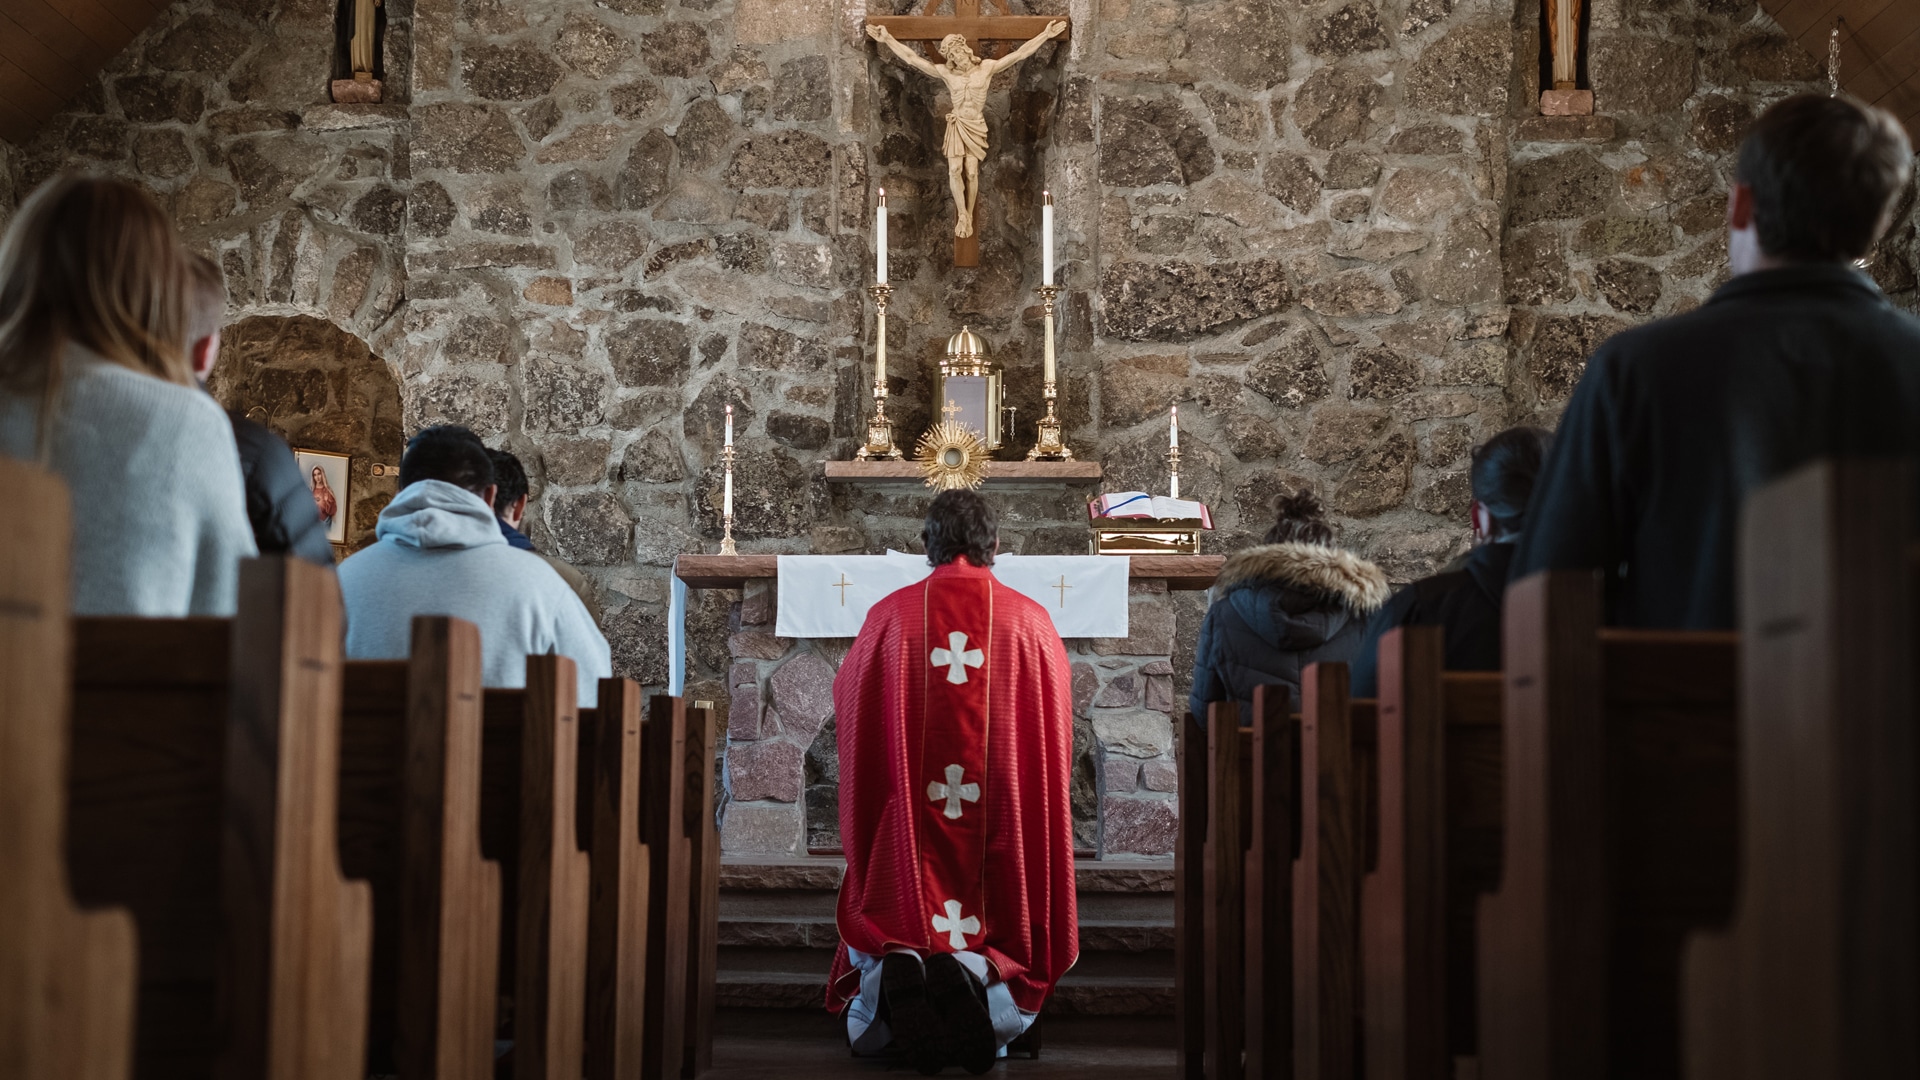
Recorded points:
(729,425)
(880,238)
(1046,239)
(1173,436)
(726,491)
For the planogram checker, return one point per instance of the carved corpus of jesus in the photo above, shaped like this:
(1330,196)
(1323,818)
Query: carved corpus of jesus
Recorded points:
(967,78)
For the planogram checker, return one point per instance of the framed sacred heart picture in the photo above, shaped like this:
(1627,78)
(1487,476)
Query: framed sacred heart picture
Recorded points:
(326,476)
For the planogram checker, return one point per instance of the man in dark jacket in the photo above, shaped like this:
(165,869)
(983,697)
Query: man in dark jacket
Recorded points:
(1293,601)
(510,508)
(279,500)
(1467,602)
(1799,356)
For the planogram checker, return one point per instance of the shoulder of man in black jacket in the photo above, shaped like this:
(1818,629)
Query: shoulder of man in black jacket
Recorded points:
(279,501)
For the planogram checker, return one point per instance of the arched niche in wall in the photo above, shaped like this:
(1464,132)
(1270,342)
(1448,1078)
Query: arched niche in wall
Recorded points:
(322,389)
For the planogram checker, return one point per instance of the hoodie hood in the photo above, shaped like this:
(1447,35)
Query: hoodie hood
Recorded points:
(1309,568)
(435,514)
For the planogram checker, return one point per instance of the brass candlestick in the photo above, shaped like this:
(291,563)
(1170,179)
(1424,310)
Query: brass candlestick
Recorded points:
(1050,446)
(879,445)
(727,546)
(1173,472)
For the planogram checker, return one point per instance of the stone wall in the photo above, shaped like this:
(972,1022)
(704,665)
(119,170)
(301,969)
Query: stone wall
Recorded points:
(319,388)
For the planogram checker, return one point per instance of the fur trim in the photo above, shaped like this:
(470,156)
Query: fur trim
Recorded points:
(1339,574)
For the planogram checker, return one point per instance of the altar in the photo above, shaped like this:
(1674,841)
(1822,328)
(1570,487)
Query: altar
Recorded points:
(779,769)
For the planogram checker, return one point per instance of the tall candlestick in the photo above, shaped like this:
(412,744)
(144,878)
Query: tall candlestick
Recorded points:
(1046,240)
(727,546)
(879,444)
(880,239)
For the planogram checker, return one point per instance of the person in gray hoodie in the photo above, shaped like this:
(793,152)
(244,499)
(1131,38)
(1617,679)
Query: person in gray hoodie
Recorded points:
(438,551)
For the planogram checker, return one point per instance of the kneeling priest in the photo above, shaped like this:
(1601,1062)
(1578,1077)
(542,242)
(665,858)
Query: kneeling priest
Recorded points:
(955,720)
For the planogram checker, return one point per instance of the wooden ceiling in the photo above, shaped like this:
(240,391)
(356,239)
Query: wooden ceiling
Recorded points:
(50,48)
(1879,48)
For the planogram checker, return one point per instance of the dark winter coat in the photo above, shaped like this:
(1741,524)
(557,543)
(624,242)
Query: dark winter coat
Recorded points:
(1276,609)
(1464,602)
(1675,423)
(279,500)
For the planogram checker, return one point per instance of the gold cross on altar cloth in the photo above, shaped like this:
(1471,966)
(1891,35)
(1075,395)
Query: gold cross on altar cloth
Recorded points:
(951,409)
(842,586)
(1063,587)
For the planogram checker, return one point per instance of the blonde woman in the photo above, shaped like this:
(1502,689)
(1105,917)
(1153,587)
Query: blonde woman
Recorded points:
(96,385)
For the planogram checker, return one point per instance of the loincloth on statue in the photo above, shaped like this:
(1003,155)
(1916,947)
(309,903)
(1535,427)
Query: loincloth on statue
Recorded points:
(966,137)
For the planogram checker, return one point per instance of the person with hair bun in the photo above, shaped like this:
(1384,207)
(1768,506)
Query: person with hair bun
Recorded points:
(97,385)
(1467,600)
(1292,601)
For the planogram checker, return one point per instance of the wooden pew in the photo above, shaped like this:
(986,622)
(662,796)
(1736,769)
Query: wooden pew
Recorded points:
(609,784)
(410,826)
(703,899)
(1271,750)
(1619,837)
(1817,975)
(1192,765)
(1437,849)
(1335,776)
(67,976)
(202,792)
(529,813)
(1224,896)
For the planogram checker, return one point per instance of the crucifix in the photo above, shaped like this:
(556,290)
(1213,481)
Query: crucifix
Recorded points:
(842,586)
(1063,587)
(972,45)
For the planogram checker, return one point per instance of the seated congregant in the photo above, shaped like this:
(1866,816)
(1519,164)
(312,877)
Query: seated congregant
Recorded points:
(280,504)
(1467,601)
(510,506)
(96,385)
(955,722)
(1799,356)
(438,551)
(1292,601)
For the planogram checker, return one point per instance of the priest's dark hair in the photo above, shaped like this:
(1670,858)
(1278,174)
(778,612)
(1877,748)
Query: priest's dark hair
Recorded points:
(509,480)
(1299,519)
(960,523)
(1503,471)
(447,452)
(1824,172)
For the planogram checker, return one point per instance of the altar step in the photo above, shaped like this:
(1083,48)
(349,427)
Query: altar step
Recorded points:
(777,936)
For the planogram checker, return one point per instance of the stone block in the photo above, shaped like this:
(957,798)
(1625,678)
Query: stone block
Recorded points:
(802,690)
(743,673)
(1567,129)
(1138,826)
(1149,631)
(757,645)
(743,714)
(772,769)
(757,604)
(1566,103)
(1085,684)
(1137,733)
(1123,692)
(1160,775)
(1160,693)
(1120,775)
(762,828)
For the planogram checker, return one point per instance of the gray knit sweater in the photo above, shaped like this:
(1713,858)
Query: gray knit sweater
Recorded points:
(159,510)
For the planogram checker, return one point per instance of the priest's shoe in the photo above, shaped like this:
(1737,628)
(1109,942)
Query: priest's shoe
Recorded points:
(961,1001)
(911,1014)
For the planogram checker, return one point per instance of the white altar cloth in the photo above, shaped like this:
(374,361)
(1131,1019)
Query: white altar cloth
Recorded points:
(828,596)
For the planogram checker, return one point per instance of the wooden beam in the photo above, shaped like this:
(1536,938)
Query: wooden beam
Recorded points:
(979,28)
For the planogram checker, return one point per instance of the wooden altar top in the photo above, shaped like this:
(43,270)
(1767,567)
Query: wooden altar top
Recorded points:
(1180,572)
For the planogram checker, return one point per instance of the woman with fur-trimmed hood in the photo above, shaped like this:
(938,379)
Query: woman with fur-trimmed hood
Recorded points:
(1294,600)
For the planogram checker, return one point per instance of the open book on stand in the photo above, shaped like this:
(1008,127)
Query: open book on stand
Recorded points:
(1136,523)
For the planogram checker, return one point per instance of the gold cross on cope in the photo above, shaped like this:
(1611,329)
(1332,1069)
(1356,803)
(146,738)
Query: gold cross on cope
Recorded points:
(842,586)
(951,409)
(1063,587)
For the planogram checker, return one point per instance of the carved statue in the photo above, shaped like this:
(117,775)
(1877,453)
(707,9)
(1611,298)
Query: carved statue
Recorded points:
(967,78)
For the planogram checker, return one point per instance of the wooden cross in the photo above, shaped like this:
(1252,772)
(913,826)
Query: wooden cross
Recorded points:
(842,586)
(989,35)
(1063,587)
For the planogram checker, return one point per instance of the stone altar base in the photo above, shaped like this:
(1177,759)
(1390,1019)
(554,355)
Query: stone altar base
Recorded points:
(781,772)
